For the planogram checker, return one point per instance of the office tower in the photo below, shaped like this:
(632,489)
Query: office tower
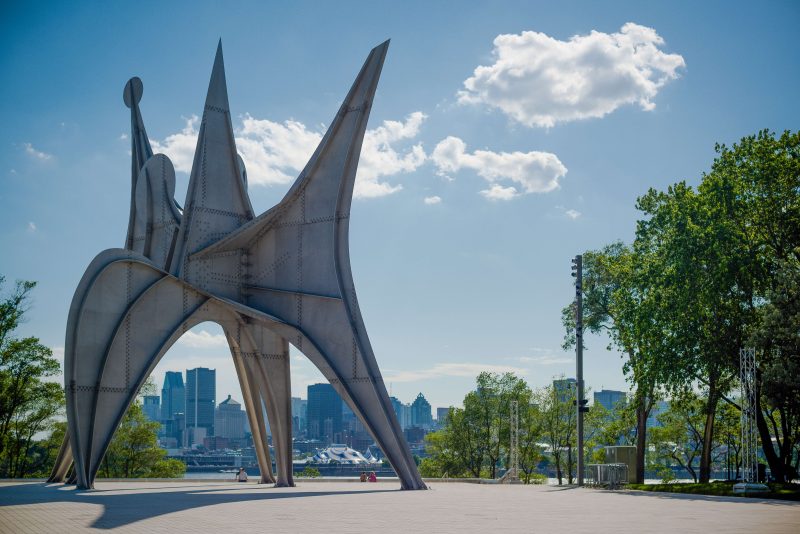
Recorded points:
(421,412)
(201,394)
(173,395)
(610,399)
(441,415)
(229,420)
(398,411)
(323,413)
(173,404)
(151,407)
(565,389)
(299,407)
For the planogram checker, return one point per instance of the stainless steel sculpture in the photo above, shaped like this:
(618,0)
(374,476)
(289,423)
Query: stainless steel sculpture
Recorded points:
(281,277)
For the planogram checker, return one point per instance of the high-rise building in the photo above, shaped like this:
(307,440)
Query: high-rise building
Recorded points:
(610,399)
(173,395)
(421,412)
(565,389)
(402,411)
(299,407)
(201,395)
(151,407)
(658,408)
(173,405)
(229,420)
(323,413)
(441,415)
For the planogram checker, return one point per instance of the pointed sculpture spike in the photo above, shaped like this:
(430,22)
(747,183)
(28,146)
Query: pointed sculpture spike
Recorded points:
(217,87)
(217,196)
(140,146)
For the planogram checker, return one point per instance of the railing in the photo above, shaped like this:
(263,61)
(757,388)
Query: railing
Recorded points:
(610,475)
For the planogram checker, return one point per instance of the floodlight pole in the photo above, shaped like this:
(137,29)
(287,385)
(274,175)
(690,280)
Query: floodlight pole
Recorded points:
(580,402)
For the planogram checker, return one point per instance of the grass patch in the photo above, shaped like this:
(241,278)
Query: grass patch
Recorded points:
(788,492)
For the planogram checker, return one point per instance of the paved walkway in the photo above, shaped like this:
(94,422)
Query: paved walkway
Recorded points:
(331,507)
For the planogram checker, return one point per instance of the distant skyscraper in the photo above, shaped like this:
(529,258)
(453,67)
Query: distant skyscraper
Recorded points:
(201,395)
(441,415)
(229,420)
(173,405)
(173,395)
(609,399)
(658,408)
(151,407)
(299,407)
(399,412)
(421,412)
(565,388)
(323,413)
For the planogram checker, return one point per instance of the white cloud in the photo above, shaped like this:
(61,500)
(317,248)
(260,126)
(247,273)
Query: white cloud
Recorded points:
(467,370)
(432,200)
(539,81)
(203,340)
(180,147)
(534,172)
(275,152)
(123,137)
(379,158)
(572,214)
(498,192)
(31,226)
(36,154)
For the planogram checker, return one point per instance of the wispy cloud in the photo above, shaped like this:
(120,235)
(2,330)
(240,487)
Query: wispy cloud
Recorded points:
(538,80)
(36,154)
(432,200)
(544,356)
(441,370)
(572,214)
(31,227)
(203,340)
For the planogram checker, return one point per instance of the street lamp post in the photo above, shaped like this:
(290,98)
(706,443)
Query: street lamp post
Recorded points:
(580,402)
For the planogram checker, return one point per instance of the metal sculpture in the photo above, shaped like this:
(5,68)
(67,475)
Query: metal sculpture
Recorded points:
(283,276)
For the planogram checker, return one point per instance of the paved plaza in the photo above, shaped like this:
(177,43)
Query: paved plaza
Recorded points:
(199,506)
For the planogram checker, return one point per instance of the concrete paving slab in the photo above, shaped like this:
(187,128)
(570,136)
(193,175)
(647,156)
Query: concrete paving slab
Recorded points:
(330,507)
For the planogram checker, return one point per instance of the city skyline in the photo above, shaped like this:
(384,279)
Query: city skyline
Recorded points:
(472,199)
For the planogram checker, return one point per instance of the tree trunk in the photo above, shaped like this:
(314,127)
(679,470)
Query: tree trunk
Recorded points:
(774,461)
(708,431)
(642,413)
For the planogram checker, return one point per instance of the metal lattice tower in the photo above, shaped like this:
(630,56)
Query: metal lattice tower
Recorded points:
(514,467)
(747,377)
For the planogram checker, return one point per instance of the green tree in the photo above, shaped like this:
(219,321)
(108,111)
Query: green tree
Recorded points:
(679,438)
(753,193)
(29,403)
(134,450)
(530,434)
(557,422)
(476,438)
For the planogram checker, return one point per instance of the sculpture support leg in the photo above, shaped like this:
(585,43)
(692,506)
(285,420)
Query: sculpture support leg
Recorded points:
(268,358)
(63,461)
(252,402)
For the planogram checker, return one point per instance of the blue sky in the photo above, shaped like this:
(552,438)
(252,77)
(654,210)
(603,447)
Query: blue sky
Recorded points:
(476,186)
